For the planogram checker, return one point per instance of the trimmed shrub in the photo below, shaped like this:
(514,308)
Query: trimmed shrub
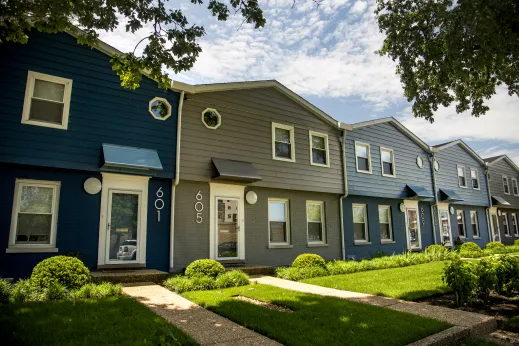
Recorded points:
(5,291)
(461,279)
(494,244)
(55,291)
(487,279)
(232,278)
(307,260)
(204,267)
(23,291)
(70,272)
(182,284)
(469,247)
(507,272)
(295,274)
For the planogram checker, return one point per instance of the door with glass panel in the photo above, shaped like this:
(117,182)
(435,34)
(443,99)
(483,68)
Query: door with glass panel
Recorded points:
(227,228)
(123,229)
(496,236)
(413,229)
(445,228)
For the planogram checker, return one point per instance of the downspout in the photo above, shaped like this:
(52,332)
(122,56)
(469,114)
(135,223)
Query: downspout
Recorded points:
(490,238)
(174,185)
(433,158)
(345,182)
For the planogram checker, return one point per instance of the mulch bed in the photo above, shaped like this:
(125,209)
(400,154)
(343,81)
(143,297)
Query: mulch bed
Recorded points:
(262,303)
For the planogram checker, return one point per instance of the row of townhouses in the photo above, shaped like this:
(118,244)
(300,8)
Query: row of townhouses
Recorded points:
(239,172)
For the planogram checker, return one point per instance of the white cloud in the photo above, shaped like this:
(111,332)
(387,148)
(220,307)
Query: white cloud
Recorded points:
(359,7)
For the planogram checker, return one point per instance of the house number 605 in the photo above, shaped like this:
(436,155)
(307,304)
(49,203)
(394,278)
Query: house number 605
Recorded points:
(199,207)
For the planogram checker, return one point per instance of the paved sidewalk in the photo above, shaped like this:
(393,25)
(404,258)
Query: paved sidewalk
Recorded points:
(205,327)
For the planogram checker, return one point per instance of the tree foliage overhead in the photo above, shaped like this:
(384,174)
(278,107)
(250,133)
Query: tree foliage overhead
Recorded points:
(452,52)
(172,42)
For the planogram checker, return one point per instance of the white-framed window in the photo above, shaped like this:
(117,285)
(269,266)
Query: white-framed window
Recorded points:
(279,221)
(315,222)
(319,152)
(506,187)
(462,180)
(474,177)
(35,216)
(159,108)
(474,223)
(360,223)
(47,100)
(387,161)
(514,225)
(283,146)
(461,223)
(506,228)
(211,118)
(515,188)
(363,157)
(384,219)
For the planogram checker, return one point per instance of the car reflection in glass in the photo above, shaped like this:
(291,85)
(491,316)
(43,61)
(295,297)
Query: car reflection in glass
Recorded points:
(127,250)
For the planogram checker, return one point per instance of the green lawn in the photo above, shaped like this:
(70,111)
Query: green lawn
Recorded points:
(109,321)
(409,283)
(316,320)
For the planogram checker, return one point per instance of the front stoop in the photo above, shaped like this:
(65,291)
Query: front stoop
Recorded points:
(129,275)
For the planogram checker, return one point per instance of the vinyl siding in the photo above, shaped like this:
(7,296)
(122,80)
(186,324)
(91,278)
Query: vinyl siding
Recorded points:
(405,152)
(482,224)
(101,111)
(245,134)
(497,170)
(508,240)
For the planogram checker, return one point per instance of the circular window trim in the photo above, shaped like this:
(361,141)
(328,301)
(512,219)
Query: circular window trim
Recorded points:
(436,166)
(419,161)
(219,118)
(162,100)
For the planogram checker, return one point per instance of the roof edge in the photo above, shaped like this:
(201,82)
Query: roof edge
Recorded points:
(463,145)
(505,157)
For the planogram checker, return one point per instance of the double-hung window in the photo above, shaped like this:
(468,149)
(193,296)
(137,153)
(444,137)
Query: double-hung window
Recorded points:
(315,222)
(461,224)
(515,188)
(506,187)
(506,228)
(387,160)
(279,221)
(35,216)
(319,153)
(462,181)
(474,176)
(514,225)
(360,223)
(384,219)
(363,157)
(474,223)
(283,147)
(47,101)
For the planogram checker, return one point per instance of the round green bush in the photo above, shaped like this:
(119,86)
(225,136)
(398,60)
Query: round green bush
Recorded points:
(232,278)
(70,272)
(204,267)
(494,244)
(309,260)
(469,247)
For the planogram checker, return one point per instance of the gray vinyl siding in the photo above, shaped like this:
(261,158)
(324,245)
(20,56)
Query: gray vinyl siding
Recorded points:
(245,134)
(405,152)
(447,176)
(507,240)
(497,170)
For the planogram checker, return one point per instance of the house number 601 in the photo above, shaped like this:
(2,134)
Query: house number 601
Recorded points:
(199,207)
(159,202)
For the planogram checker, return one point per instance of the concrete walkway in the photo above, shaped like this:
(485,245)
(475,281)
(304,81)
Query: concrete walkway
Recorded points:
(205,327)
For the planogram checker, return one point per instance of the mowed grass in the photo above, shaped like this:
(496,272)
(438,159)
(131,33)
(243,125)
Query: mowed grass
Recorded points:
(109,321)
(316,320)
(408,283)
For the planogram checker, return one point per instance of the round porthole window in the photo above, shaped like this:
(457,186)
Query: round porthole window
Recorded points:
(211,118)
(436,165)
(419,161)
(160,108)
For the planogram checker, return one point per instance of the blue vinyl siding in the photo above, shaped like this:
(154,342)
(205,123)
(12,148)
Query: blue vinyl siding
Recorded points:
(101,111)
(447,176)
(405,152)
(482,224)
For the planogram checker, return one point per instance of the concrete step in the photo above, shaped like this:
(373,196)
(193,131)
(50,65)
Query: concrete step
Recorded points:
(129,275)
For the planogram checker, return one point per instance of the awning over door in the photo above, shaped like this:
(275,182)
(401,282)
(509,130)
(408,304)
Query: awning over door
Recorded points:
(496,200)
(238,171)
(122,159)
(418,192)
(449,195)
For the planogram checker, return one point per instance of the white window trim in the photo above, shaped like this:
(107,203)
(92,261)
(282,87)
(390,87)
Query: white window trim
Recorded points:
(51,247)
(507,184)
(514,220)
(393,163)
(217,114)
(323,222)
(29,90)
(477,178)
(505,218)
(161,99)
(391,238)
(366,228)
(369,158)
(444,207)
(413,205)
(464,176)
(292,143)
(513,179)
(286,201)
(462,222)
(477,226)
(322,135)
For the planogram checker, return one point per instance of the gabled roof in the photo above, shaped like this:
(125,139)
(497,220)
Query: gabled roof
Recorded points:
(395,122)
(491,160)
(468,149)
(206,88)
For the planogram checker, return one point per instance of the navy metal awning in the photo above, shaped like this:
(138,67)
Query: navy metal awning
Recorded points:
(449,195)
(499,201)
(239,171)
(418,192)
(119,158)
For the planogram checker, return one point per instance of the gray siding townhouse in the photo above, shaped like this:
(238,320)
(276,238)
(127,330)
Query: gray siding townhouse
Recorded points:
(389,190)
(260,176)
(504,192)
(461,194)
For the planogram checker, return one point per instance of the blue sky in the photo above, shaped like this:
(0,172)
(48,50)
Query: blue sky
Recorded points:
(327,54)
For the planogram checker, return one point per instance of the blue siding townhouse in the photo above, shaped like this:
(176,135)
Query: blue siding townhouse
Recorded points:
(87,166)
